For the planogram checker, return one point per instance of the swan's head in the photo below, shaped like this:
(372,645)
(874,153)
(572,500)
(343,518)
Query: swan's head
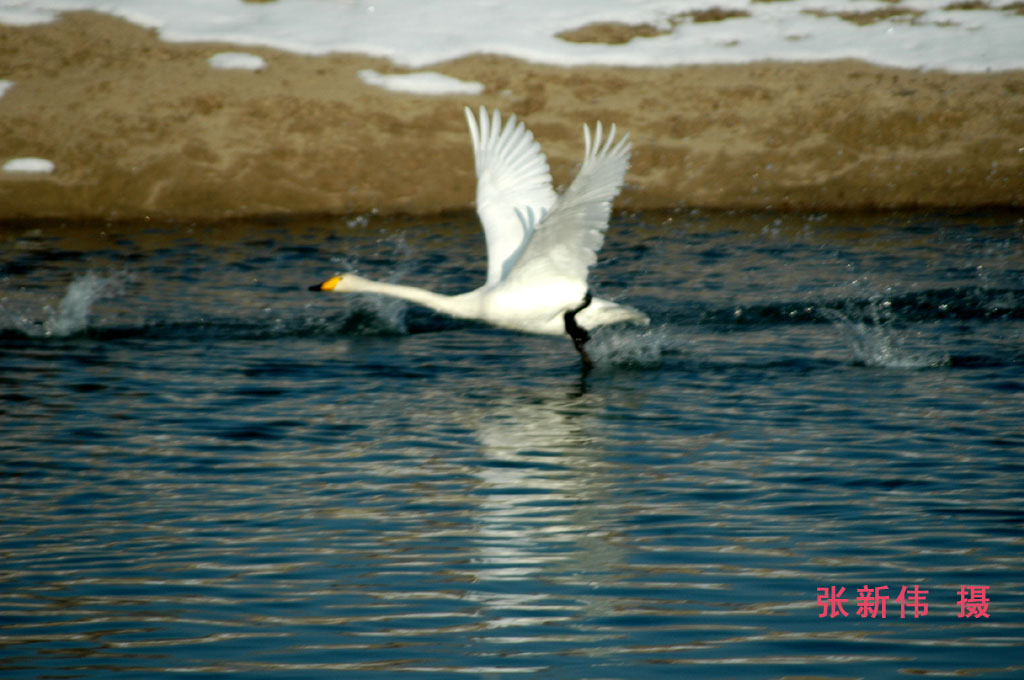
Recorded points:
(342,283)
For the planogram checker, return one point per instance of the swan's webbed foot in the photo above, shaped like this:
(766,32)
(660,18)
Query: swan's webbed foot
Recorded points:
(578,333)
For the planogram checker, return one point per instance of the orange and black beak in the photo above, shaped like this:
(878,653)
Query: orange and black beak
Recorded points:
(329,284)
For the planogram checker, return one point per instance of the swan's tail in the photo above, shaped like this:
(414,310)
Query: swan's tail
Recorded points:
(602,312)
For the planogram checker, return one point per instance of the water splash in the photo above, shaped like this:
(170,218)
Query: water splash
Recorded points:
(72,313)
(376,315)
(633,347)
(876,340)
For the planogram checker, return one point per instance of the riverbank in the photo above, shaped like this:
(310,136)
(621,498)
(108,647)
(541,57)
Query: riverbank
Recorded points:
(136,126)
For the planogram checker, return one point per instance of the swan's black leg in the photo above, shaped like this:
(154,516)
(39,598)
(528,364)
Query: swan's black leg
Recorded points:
(579,334)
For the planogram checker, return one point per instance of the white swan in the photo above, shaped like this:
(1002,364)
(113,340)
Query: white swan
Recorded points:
(539,245)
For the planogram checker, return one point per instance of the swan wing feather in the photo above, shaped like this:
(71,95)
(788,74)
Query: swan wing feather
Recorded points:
(566,239)
(512,174)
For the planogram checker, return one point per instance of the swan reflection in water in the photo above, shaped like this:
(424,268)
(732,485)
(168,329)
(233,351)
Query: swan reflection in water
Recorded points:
(542,517)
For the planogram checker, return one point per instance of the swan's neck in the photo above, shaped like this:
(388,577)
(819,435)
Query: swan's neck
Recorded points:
(453,305)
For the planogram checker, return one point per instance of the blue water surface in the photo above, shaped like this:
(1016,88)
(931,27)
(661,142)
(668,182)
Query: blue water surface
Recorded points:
(208,470)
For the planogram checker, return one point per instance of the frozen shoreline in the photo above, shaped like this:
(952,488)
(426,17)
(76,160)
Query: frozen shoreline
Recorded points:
(927,34)
(136,126)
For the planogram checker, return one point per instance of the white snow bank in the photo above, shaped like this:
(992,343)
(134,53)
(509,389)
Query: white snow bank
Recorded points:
(424,82)
(29,165)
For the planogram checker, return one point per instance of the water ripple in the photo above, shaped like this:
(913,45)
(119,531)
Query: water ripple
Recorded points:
(266,484)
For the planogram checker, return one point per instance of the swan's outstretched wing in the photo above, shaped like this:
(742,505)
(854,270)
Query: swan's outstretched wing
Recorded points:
(512,174)
(566,240)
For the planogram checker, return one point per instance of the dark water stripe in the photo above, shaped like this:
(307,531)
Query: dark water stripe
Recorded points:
(953,304)
(944,304)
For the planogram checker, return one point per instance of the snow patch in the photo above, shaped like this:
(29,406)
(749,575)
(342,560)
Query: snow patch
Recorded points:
(29,165)
(242,61)
(423,82)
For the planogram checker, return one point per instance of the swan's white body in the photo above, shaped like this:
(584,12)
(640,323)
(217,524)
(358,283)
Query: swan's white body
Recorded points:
(539,245)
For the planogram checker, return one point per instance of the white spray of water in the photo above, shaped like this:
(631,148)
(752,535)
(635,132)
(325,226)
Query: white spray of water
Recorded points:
(633,347)
(72,313)
(876,341)
(387,313)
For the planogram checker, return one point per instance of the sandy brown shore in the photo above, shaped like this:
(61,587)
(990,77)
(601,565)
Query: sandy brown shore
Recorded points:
(139,127)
